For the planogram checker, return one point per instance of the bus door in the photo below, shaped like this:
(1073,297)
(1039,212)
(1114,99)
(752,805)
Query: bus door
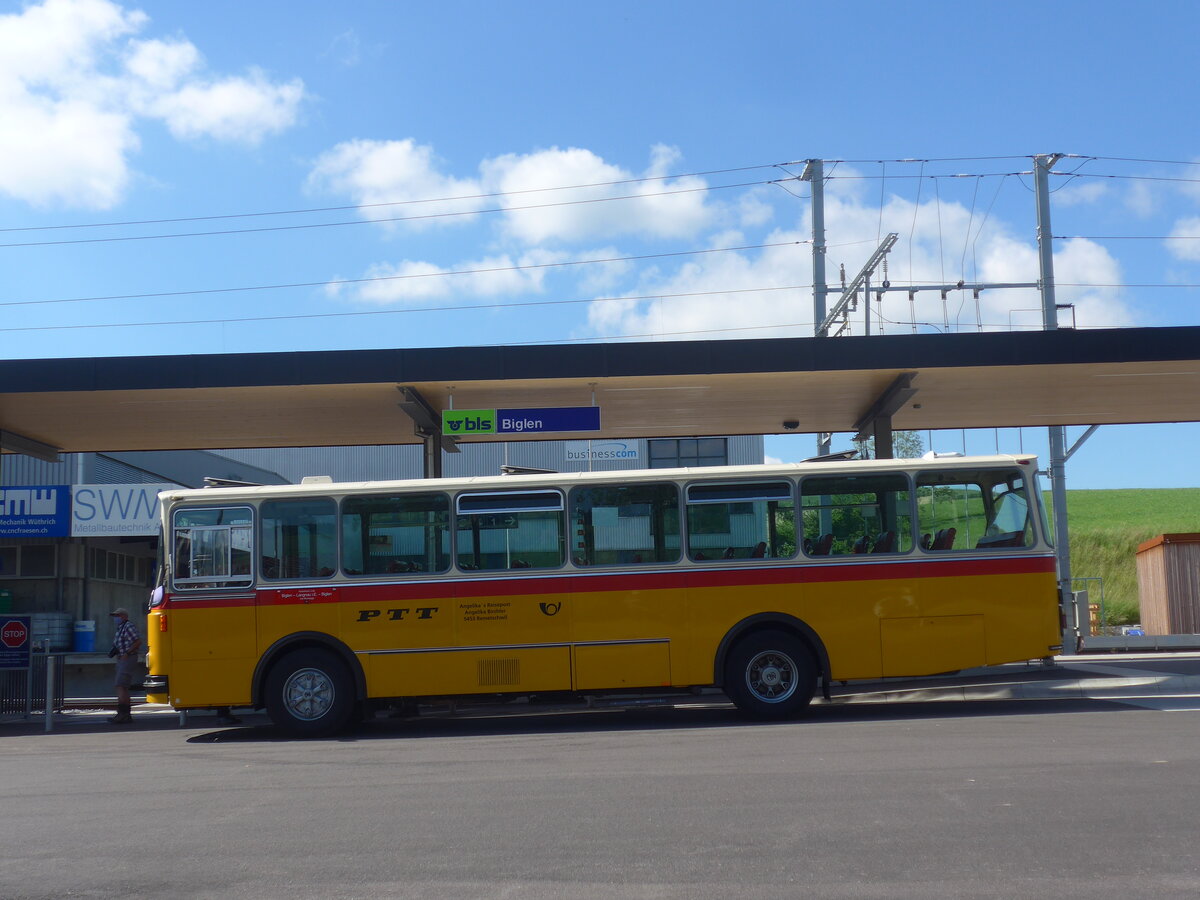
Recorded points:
(864,591)
(298,549)
(511,615)
(210,619)
(624,614)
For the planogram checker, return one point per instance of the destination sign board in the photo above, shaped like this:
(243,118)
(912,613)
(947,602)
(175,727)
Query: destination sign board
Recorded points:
(463,422)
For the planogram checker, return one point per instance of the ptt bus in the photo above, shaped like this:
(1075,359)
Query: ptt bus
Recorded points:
(321,602)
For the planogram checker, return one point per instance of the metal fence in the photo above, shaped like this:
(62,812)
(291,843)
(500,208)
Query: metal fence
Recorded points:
(18,695)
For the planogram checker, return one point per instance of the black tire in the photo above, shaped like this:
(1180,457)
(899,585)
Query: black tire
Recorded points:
(310,693)
(770,675)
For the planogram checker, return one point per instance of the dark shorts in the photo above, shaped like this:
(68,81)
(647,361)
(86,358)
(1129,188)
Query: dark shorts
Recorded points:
(126,670)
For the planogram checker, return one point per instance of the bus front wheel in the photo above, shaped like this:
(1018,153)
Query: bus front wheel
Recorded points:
(310,693)
(770,675)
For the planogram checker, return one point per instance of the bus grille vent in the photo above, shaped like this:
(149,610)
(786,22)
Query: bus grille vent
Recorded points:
(494,672)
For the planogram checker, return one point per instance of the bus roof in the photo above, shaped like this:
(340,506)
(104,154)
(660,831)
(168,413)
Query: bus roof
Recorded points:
(569,479)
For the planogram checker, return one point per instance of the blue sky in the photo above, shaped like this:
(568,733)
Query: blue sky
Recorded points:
(605,172)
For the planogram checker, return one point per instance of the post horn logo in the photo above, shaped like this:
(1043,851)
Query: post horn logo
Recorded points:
(550,609)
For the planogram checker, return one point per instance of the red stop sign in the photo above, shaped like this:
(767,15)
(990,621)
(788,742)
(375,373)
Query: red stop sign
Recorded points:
(14,634)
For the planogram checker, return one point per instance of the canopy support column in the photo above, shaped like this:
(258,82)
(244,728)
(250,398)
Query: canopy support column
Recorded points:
(876,422)
(427,425)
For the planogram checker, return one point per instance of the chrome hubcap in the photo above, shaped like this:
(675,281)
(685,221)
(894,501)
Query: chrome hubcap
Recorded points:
(308,694)
(771,676)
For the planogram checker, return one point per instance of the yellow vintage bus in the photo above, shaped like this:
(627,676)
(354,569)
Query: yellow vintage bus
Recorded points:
(322,602)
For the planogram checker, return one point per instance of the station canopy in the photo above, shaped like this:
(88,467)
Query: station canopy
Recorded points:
(648,389)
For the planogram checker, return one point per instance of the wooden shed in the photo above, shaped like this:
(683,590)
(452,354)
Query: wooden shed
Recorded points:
(1168,570)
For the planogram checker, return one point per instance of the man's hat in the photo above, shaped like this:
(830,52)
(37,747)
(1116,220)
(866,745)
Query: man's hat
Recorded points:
(120,611)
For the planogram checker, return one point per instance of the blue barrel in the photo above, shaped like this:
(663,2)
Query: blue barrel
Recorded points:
(85,636)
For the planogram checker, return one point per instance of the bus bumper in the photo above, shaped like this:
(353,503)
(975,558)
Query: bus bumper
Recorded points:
(156,688)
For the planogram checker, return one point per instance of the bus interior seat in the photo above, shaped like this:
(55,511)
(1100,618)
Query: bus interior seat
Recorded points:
(885,542)
(944,539)
(862,545)
(759,551)
(824,545)
(729,553)
(927,541)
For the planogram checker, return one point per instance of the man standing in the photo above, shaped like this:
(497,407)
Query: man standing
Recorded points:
(125,647)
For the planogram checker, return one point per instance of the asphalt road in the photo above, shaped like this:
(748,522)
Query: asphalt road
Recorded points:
(971,799)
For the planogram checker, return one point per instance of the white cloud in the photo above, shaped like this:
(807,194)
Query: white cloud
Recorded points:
(411,282)
(346,48)
(544,196)
(402,173)
(161,64)
(74,85)
(1082,193)
(1085,275)
(68,153)
(537,214)
(235,109)
(60,41)
(718,302)
(1180,246)
(753,209)
(1141,200)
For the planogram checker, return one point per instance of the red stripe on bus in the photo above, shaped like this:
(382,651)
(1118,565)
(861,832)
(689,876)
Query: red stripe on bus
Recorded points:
(369,592)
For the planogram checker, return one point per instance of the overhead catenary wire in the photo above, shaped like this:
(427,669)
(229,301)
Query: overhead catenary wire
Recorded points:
(385,203)
(401,277)
(1165,162)
(1126,237)
(885,174)
(404,310)
(1166,178)
(416,218)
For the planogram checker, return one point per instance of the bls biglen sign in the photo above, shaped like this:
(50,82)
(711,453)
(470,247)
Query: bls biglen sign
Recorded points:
(462,422)
(469,421)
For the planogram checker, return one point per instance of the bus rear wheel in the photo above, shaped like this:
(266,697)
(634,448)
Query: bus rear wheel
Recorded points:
(310,693)
(770,675)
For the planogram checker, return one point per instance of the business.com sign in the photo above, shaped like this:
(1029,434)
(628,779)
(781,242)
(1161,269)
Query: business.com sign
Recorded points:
(115,509)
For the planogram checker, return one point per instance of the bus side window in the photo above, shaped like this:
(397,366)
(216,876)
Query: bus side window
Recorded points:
(846,515)
(510,530)
(982,509)
(395,534)
(622,525)
(301,535)
(741,520)
(214,548)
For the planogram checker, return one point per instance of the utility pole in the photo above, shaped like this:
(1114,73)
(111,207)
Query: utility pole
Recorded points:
(814,174)
(1057,433)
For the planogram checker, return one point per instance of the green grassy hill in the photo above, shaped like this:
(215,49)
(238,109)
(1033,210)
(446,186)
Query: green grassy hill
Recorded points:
(1106,528)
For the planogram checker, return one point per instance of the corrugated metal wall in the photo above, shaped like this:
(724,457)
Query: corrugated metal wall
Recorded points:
(353,463)
(18,470)
(384,463)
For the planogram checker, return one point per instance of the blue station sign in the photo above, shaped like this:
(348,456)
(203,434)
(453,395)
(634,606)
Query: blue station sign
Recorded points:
(521,421)
(550,418)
